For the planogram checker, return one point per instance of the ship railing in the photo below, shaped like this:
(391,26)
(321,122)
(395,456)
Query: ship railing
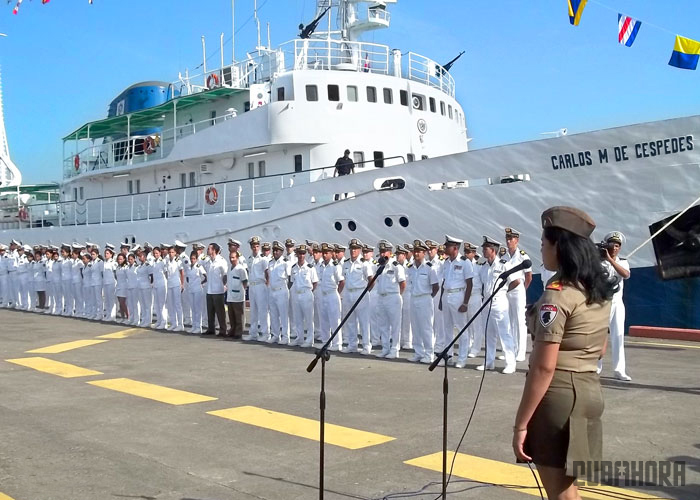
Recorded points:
(329,54)
(133,150)
(425,70)
(212,198)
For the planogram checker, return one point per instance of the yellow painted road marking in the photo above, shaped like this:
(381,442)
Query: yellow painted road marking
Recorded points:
(54,367)
(337,435)
(501,473)
(5,497)
(152,391)
(66,346)
(664,345)
(123,333)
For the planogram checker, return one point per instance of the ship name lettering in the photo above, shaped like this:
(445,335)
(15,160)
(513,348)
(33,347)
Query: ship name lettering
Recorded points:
(664,147)
(571,160)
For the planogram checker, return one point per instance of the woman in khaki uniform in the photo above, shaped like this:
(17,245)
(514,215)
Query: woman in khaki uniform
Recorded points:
(558,420)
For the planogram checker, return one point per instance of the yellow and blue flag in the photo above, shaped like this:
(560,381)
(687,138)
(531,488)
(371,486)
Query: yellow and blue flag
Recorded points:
(685,54)
(575,10)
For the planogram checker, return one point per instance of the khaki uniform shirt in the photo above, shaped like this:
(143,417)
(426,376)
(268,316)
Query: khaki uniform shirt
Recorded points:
(562,316)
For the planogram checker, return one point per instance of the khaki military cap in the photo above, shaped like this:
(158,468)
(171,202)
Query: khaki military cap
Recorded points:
(569,218)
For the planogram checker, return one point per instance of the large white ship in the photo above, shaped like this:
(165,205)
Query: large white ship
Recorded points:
(249,149)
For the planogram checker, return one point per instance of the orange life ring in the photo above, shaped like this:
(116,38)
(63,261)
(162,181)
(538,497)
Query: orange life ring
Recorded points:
(76,162)
(23,215)
(212,81)
(211,195)
(149,145)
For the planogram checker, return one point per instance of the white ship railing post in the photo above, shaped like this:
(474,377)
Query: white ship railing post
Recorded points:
(102,216)
(240,191)
(166,204)
(252,205)
(224,200)
(129,149)
(184,203)
(115,209)
(174,122)
(132,208)
(148,207)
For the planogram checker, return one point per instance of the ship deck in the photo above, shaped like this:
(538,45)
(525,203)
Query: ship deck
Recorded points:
(98,411)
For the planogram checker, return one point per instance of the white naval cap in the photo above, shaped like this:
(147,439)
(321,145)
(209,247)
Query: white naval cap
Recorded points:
(488,241)
(451,240)
(18,243)
(231,241)
(27,248)
(3,246)
(109,246)
(616,236)
(180,244)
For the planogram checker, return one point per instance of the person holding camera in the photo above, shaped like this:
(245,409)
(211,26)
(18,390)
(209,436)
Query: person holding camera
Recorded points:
(618,269)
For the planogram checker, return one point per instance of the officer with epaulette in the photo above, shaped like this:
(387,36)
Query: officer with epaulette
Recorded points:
(424,285)
(371,268)
(316,261)
(438,322)
(181,250)
(619,270)
(257,292)
(266,248)
(498,323)
(389,287)
(278,278)
(517,298)
(402,254)
(331,281)
(339,253)
(456,291)
(4,289)
(304,280)
(290,258)
(356,274)
(476,329)
(25,296)
(235,246)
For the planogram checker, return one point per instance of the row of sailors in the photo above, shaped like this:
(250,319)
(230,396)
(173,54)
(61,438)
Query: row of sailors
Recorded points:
(297,295)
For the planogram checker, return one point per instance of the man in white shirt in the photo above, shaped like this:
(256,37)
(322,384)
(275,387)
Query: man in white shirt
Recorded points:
(258,293)
(456,291)
(389,287)
(304,280)
(618,269)
(278,277)
(216,290)
(406,337)
(235,295)
(356,276)
(423,282)
(144,274)
(331,282)
(498,323)
(438,321)
(476,329)
(517,297)
(4,291)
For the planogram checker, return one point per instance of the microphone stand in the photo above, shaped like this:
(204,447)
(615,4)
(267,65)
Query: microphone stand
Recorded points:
(324,355)
(443,356)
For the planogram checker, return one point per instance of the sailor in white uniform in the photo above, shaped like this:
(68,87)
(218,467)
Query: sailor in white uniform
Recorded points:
(304,280)
(257,292)
(76,307)
(12,276)
(144,275)
(438,321)
(373,330)
(196,277)
(175,276)
(278,278)
(4,290)
(618,269)
(389,287)
(331,283)
(406,339)
(25,301)
(356,275)
(517,297)
(456,291)
(424,285)
(476,329)
(498,323)
(181,250)
(67,279)
(54,270)
(290,258)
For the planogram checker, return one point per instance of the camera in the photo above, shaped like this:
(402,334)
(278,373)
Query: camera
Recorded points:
(603,248)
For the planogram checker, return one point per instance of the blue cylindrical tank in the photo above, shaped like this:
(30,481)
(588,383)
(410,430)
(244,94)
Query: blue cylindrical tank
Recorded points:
(141,96)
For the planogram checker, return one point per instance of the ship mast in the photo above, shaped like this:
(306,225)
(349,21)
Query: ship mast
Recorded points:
(353,17)
(9,173)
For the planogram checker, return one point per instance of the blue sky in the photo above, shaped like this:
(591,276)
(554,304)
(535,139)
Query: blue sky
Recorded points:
(525,70)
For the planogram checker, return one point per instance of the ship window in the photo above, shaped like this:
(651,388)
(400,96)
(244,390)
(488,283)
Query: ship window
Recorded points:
(449,111)
(352,226)
(130,187)
(297,163)
(403,97)
(183,180)
(358,157)
(352,93)
(213,117)
(379,159)
(261,168)
(138,187)
(311,93)
(371,94)
(442,108)
(246,106)
(418,102)
(388,96)
(75,193)
(433,108)
(193,179)
(333,93)
(410,157)
(403,220)
(251,170)
(280,93)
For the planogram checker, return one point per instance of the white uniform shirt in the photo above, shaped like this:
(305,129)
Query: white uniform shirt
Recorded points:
(4,263)
(158,270)
(456,273)
(194,276)
(215,275)
(87,274)
(612,273)
(388,281)
(122,277)
(355,274)
(53,270)
(39,271)
(22,264)
(132,279)
(256,268)
(477,282)
(303,278)
(78,266)
(143,271)
(279,273)
(514,260)
(67,269)
(235,289)
(490,274)
(109,268)
(331,275)
(172,271)
(97,269)
(421,279)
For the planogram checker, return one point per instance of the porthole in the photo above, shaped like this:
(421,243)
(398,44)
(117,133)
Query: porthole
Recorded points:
(338,226)
(388,221)
(403,221)
(352,226)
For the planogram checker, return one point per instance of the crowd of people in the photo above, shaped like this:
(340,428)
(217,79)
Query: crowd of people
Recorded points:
(297,293)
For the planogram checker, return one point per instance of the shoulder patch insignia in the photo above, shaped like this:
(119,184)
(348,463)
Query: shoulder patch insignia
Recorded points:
(335,262)
(362,259)
(522,252)
(503,261)
(395,263)
(555,285)
(409,264)
(430,264)
(548,313)
(310,265)
(463,257)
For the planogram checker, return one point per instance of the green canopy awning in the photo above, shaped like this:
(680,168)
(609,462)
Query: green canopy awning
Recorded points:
(147,118)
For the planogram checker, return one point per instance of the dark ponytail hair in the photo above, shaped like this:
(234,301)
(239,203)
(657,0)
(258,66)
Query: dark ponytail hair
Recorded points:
(580,265)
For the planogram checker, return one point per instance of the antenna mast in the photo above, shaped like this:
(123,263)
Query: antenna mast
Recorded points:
(9,173)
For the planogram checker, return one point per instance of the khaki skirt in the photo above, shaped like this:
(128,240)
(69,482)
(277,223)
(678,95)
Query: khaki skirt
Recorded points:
(566,426)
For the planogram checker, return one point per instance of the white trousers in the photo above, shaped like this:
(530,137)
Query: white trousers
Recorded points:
(279,313)
(516,311)
(26,300)
(78,306)
(358,322)
(499,328)
(389,321)
(317,312)
(186,307)
(56,297)
(195,296)
(617,335)
(330,317)
(159,297)
(422,310)
(98,301)
(454,320)
(476,329)
(12,288)
(89,301)
(68,302)
(109,301)
(132,305)
(292,318)
(259,319)
(174,307)
(406,340)
(438,322)
(4,295)
(303,306)
(375,329)
(146,306)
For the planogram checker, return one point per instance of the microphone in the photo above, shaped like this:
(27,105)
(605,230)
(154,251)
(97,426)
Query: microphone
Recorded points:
(382,261)
(523,265)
